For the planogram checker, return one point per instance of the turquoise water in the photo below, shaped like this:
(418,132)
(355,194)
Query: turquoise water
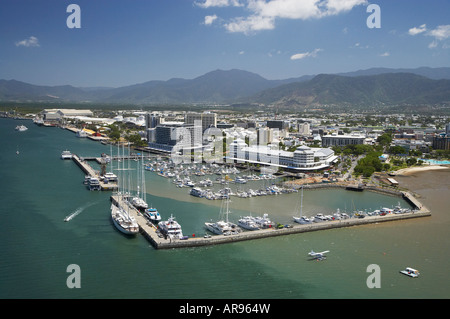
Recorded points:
(39,190)
(436,162)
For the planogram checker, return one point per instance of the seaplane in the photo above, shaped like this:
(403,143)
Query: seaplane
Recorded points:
(318,256)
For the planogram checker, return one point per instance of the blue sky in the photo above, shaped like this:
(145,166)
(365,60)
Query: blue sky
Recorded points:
(127,42)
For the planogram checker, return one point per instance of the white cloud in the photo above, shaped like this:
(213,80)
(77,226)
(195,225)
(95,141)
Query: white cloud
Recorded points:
(385,54)
(263,13)
(30,42)
(218,3)
(252,23)
(210,19)
(300,56)
(433,44)
(442,32)
(415,31)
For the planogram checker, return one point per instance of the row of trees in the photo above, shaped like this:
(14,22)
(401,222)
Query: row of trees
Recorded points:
(130,136)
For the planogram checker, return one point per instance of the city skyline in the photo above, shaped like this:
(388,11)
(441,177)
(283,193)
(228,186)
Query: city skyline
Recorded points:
(121,43)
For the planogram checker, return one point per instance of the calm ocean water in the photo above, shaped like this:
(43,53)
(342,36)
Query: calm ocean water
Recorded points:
(39,190)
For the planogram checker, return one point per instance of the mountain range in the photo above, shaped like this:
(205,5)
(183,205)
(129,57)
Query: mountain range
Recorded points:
(376,86)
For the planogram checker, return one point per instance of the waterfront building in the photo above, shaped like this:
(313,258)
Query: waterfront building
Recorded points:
(57,114)
(170,134)
(304,158)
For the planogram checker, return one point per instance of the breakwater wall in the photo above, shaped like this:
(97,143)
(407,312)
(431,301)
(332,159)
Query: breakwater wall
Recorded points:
(149,231)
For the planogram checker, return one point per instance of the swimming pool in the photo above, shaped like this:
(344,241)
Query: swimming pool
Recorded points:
(435,162)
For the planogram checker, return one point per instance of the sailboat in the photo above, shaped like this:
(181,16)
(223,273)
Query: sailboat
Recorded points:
(120,213)
(123,221)
(223,227)
(302,219)
(137,201)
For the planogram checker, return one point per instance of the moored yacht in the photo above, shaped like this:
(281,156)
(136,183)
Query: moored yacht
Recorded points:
(247,222)
(170,228)
(111,177)
(302,220)
(94,184)
(139,203)
(197,192)
(319,218)
(223,227)
(264,221)
(81,133)
(123,221)
(152,214)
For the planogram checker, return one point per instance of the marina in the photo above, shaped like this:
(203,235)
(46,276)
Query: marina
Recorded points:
(248,227)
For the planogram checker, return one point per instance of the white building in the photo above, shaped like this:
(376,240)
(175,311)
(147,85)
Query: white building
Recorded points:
(304,158)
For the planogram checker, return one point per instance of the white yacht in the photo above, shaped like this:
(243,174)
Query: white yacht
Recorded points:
(197,192)
(264,221)
(21,128)
(139,203)
(82,133)
(66,155)
(240,180)
(152,214)
(223,227)
(170,228)
(123,221)
(247,222)
(94,184)
(410,272)
(303,220)
(319,218)
(111,177)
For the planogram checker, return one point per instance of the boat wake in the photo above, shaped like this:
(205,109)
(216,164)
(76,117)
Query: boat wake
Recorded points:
(77,212)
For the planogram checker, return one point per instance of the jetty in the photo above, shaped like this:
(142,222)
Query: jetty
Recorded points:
(150,231)
(89,171)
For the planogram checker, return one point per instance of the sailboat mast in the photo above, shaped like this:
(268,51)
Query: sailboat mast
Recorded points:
(301,203)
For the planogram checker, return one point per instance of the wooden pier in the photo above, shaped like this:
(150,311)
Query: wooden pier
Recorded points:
(149,231)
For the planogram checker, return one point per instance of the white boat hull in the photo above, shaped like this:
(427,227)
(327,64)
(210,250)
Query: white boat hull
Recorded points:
(116,216)
(302,220)
(249,225)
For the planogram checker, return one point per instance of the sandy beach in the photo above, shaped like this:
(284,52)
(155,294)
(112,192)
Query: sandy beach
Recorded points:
(411,170)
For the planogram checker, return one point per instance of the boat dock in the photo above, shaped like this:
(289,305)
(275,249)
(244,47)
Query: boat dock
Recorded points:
(149,231)
(88,170)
